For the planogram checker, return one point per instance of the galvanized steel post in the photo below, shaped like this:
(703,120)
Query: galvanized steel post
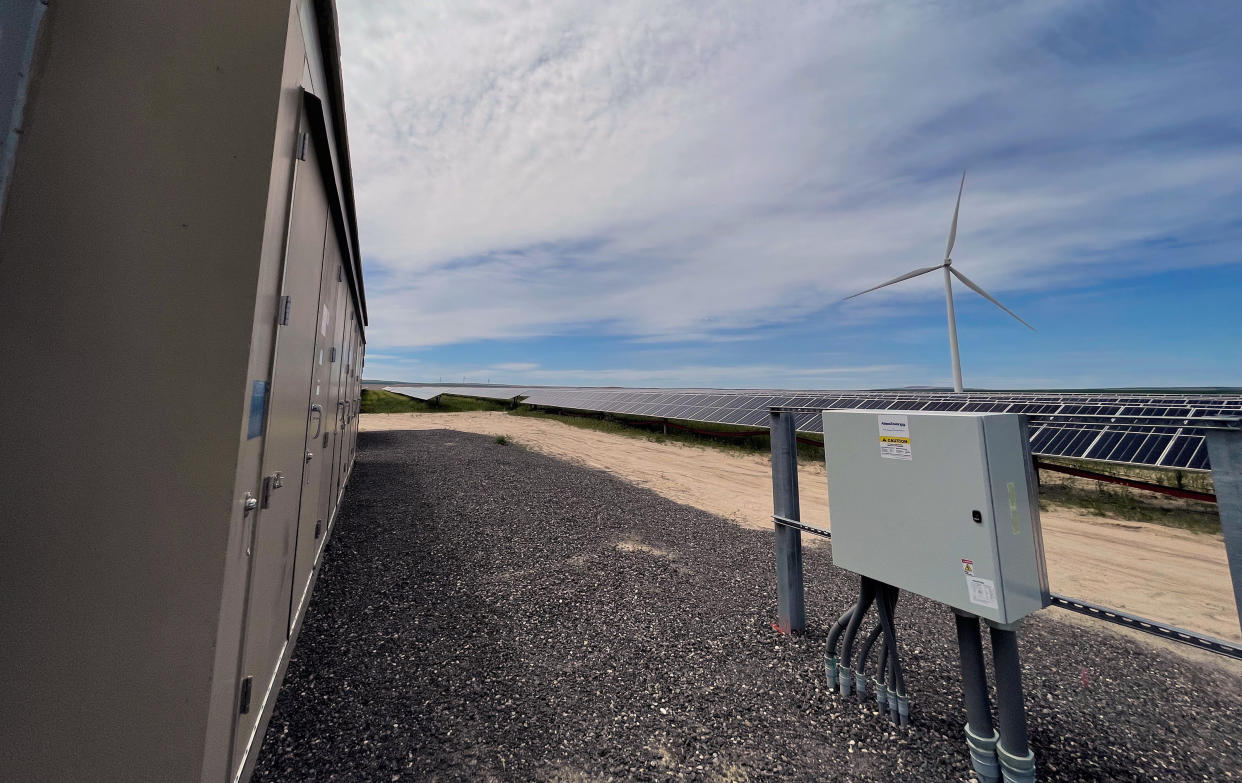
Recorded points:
(791,617)
(1225,454)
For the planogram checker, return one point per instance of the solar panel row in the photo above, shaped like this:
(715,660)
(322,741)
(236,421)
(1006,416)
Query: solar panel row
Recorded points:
(425,393)
(420,393)
(1149,430)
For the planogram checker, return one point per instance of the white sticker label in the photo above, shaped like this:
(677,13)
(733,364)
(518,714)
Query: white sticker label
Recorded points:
(323,321)
(982,591)
(894,436)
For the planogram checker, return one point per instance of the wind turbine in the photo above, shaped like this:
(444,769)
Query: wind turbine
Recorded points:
(949,269)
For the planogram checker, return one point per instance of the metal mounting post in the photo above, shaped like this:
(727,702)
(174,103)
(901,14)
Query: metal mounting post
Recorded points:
(791,616)
(1225,455)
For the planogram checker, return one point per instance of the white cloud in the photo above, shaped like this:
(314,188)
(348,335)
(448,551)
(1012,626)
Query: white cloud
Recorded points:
(711,376)
(682,171)
(515,366)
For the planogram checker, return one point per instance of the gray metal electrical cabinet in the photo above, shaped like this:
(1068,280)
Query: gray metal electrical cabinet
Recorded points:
(942,504)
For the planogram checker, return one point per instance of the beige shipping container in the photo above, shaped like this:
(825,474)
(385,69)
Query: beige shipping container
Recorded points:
(182,314)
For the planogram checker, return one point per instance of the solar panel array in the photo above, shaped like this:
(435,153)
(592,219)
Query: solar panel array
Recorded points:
(420,393)
(425,393)
(1154,430)
(1148,430)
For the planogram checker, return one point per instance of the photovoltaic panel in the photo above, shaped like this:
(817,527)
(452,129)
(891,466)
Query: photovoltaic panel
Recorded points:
(1125,428)
(420,393)
(425,393)
(488,392)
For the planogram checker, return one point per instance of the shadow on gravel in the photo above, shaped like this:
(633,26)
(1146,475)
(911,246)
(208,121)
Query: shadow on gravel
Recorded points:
(487,613)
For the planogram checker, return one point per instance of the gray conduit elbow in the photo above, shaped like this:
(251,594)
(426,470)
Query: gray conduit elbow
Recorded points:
(1016,769)
(830,655)
(983,755)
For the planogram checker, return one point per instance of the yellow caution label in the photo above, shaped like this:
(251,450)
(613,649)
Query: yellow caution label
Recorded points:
(894,436)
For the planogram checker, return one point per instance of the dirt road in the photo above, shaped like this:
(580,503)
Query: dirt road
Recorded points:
(1163,573)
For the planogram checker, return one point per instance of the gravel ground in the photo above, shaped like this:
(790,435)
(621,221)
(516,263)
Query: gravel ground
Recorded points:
(487,613)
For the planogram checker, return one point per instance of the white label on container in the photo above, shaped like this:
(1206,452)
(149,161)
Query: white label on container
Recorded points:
(894,436)
(982,591)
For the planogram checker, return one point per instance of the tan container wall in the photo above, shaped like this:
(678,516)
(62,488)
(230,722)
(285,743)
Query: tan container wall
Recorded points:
(128,266)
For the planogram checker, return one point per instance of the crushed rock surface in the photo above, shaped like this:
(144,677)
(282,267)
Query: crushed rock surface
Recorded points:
(485,613)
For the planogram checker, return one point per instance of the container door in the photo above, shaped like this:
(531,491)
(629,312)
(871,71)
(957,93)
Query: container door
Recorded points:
(343,404)
(274,528)
(313,522)
(331,484)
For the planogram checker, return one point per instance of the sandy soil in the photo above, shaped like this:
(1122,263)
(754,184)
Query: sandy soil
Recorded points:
(1163,573)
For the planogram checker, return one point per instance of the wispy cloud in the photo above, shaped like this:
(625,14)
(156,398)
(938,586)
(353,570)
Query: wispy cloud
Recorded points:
(723,376)
(669,172)
(515,366)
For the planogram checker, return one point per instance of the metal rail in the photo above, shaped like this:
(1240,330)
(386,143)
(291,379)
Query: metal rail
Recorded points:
(1116,616)
(1153,627)
(1147,486)
(795,524)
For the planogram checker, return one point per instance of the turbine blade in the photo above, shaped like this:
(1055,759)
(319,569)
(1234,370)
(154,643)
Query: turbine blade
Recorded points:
(906,276)
(987,296)
(953,226)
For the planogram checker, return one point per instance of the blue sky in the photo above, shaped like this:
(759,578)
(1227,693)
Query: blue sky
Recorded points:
(644,193)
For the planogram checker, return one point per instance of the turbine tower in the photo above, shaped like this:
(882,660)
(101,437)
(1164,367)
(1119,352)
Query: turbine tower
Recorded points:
(949,269)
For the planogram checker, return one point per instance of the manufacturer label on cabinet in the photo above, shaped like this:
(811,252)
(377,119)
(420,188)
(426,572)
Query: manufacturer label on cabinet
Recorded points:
(894,436)
(982,591)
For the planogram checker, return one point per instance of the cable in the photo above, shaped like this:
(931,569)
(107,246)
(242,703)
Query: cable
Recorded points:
(830,650)
(896,679)
(866,595)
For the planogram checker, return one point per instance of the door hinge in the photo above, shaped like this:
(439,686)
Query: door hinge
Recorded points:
(318,529)
(332,355)
(340,274)
(243,706)
(303,138)
(284,310)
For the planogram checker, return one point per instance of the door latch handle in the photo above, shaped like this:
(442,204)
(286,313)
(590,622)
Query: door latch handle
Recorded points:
(317,411)
(310,455)
(249,503)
